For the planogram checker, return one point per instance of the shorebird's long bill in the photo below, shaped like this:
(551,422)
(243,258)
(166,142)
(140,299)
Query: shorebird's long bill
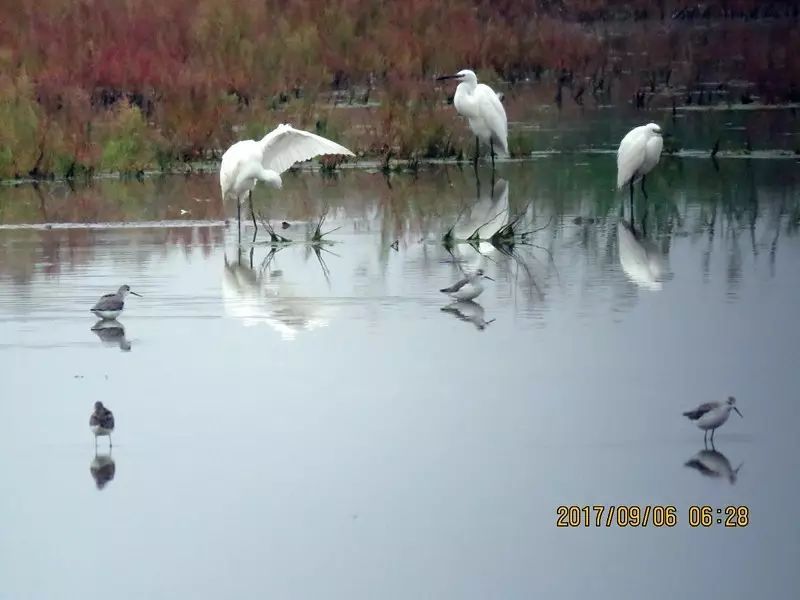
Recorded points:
(737,411)
(445,77)
(487,277)
(135,294)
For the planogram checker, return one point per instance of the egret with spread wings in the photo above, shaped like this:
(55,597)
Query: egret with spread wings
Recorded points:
(250,161)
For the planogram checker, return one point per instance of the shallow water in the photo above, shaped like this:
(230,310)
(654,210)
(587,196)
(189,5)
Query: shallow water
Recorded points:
(319,427)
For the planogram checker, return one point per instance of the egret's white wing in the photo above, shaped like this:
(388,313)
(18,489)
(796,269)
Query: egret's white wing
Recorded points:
(631,154)
(653,149)
(285,146)
(494,114)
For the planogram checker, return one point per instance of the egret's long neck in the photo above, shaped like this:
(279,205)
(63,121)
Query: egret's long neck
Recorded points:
(253,170)
(464,99)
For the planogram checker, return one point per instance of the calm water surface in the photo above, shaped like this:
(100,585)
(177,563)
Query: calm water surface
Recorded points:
(300,426)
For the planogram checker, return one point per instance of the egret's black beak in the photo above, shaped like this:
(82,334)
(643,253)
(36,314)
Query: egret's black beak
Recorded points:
(445,77)
(737,411)
(135,294)
(666,134)
(487,277)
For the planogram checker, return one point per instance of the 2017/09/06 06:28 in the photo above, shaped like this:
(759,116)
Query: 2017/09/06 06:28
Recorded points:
(600,515)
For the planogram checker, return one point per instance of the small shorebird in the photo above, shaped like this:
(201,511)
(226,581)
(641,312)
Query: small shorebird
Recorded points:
(712,415)
(468,288)
(101,422)
(110,306)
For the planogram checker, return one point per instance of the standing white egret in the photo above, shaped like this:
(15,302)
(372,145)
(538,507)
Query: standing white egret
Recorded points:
(484,111)
(248,161)
(637,155)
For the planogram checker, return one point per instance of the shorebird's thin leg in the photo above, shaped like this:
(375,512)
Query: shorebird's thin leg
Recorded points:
(253,215)
(477,150)
(644,191)
(95,444)
(705,438)
(491,149)
(110,445)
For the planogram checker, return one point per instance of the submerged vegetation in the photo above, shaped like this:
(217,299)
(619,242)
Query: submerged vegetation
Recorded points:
(89,85)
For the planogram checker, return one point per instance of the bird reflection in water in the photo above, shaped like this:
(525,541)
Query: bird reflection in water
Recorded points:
(469,311)
(112,333)
(641,259)
(285,299)
(714,464)
(103,468)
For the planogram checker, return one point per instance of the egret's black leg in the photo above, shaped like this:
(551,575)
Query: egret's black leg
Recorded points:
(631,187)
(239,219)
(477,150)
(644,191)
(491,149)
(253,215)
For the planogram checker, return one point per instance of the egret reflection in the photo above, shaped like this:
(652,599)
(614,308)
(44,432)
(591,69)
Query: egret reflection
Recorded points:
(280,292)
(641,259)
(103,468)
(714,464)
(487,216)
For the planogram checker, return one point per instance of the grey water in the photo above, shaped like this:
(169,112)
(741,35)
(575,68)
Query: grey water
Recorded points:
(302,423)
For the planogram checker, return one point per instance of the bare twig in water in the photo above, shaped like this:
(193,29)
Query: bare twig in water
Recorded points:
(318,235)
(475,235)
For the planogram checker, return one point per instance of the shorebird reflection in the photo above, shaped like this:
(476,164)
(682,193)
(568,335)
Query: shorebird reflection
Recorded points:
(640,258)
(469,311)
(111,333)
(714,464)
(103,468)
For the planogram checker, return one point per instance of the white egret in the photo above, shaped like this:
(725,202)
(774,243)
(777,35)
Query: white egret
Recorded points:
(248,161)
(468,288)
(637,155)
(484,111)
(712,415)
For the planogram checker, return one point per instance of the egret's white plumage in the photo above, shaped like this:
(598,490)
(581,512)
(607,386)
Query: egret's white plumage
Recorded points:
(638,153)
(249,161)
(482,107)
